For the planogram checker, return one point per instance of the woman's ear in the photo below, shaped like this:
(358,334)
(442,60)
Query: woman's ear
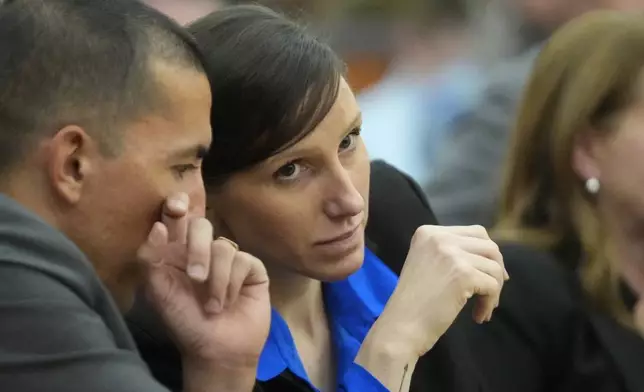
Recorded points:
(586,155)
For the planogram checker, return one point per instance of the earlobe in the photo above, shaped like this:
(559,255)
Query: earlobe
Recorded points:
(69,162)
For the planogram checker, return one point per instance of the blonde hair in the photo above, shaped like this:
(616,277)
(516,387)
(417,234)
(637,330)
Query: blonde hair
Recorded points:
(586,74)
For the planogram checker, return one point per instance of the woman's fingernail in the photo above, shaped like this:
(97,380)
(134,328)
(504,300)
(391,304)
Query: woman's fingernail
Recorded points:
(197,272)
(178,205)
(506,275)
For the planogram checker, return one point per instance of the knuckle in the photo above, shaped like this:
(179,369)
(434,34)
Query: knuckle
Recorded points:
(434,237)
(244,258)
(446,249)
(494,247)
(496,252)
(428,233)
(463,271)
(422,233)
(247,260)
(481,231)
(248,263)
(222,248)
(497,271)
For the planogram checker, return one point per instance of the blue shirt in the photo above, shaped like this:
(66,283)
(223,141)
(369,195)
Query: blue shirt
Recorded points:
(353,305)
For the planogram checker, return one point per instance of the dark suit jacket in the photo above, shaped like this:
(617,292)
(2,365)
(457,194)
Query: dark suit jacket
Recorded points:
(59,328)
(397,208)
(543,338)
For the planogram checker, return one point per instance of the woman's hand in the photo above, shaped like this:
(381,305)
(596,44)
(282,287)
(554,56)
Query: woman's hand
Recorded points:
(212,297)
(444,268)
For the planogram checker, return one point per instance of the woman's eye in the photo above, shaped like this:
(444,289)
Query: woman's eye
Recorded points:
(288,171)
(349,141)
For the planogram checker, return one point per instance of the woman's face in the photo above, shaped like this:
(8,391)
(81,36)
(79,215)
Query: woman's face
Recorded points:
(305,209)
(616,159)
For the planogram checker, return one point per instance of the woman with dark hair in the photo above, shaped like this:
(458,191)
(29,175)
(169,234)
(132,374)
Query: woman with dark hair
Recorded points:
(287,179)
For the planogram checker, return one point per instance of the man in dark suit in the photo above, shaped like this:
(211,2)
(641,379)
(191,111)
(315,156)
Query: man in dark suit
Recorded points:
(104,114)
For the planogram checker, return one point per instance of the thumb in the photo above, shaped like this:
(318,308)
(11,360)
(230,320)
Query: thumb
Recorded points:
(158,287)
(150,253)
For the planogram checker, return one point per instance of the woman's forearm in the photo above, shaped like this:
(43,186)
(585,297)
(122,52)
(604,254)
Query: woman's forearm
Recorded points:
(391,363)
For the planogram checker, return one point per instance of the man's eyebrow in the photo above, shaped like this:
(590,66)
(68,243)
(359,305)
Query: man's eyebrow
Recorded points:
(202,151)
(198,152)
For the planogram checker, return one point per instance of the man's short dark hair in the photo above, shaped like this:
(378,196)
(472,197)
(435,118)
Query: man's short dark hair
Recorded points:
(83,62)
(272,83)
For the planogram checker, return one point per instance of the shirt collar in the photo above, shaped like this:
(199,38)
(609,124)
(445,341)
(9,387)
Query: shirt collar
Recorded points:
(353,305)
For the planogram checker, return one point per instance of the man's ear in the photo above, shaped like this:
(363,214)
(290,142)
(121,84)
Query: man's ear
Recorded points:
(70,152)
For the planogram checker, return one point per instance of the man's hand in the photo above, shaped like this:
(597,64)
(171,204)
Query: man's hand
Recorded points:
(213,298)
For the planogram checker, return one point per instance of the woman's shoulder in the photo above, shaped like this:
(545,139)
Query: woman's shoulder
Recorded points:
(541,288)
(530,336)
(537,268)
(397,207)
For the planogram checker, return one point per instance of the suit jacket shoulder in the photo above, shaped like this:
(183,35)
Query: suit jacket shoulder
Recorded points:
(64,333)
(397,207)
(542,337)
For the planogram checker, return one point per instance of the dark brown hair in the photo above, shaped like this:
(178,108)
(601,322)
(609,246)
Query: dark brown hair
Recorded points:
(272,83)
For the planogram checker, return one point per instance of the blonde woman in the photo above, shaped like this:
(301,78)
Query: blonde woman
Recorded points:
(572,217)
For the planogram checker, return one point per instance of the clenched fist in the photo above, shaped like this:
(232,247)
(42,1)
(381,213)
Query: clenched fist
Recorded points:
(444,268)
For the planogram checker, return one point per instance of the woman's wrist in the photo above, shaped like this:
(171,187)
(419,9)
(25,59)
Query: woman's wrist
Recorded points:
(401,336)
(387,357)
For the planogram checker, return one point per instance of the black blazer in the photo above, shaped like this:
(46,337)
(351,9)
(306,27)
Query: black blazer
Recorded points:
(397,208)
(543,338)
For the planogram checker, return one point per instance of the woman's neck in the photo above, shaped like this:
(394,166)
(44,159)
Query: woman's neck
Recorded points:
(299,301)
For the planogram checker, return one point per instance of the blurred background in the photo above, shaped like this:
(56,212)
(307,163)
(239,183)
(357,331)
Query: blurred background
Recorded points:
(417,66)
(420,38)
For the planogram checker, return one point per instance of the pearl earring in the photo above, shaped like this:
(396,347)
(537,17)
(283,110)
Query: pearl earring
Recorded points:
(592,185)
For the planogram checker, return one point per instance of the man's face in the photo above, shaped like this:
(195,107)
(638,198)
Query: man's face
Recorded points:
(122,196)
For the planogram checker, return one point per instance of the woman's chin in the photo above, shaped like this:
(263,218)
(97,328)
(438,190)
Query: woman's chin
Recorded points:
(338,269)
